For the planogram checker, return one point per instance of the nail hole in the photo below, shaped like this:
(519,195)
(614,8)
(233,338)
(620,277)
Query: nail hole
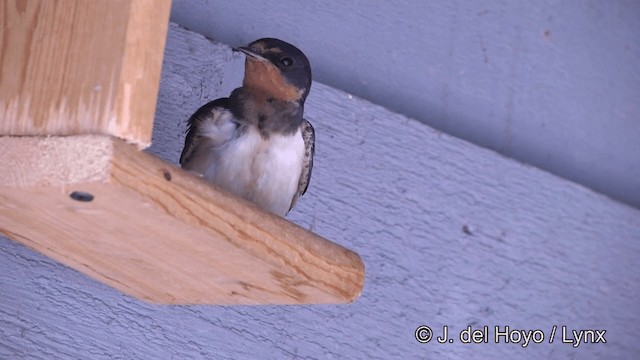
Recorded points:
(81,196)
(167,175)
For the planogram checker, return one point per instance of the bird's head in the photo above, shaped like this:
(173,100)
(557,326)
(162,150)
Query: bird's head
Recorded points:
(277,70)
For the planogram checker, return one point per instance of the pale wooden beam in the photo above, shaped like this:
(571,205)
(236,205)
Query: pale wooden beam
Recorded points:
(73,67)
(159,233)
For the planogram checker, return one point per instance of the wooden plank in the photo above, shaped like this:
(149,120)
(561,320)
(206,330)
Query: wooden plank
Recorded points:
(159,233)
(81,67)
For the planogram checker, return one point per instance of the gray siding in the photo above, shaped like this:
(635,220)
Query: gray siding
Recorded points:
(553,83)
(450,233)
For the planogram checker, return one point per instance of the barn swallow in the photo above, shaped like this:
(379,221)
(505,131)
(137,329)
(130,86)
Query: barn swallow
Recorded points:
(256,143)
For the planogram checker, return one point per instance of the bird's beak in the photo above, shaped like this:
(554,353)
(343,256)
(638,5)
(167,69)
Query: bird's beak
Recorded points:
(250,53)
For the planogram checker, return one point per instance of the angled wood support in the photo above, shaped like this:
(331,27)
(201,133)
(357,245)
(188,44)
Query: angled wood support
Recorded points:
(78,90)
(156,232)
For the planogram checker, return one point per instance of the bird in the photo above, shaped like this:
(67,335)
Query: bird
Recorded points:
(256,144)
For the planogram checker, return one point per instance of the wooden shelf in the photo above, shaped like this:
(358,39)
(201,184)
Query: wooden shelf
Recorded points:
(159,233)
(77,99)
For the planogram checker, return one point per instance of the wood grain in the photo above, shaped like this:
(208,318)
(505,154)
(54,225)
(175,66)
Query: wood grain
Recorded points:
(81,67)
(159,233)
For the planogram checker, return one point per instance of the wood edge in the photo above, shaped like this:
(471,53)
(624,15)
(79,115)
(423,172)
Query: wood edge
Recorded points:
(139,78)
(54,160)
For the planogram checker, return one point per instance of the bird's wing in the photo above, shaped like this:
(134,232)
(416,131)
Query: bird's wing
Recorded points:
(208,128)
(309,137)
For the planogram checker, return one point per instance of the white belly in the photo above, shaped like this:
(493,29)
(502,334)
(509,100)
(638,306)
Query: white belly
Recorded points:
(265,172)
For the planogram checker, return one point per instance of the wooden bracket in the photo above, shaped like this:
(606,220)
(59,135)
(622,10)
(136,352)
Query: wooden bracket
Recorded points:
(158,233)
(79,81)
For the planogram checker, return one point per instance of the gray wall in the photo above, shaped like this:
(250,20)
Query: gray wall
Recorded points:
(450,233)
(554,83)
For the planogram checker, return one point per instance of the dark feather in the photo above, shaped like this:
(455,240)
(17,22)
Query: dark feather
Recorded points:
(309,137)
(194,140)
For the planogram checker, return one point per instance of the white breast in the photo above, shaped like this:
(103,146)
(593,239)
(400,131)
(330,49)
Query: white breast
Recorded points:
(265,172)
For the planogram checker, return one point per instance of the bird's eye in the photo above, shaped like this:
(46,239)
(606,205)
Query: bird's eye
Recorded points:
(287,61)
